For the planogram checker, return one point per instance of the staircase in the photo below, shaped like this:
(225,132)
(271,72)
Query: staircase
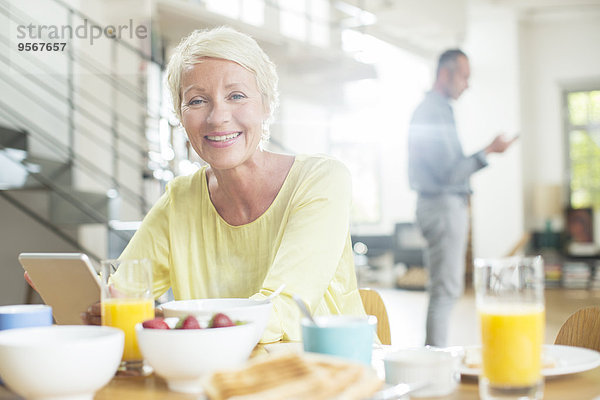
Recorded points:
(74,147)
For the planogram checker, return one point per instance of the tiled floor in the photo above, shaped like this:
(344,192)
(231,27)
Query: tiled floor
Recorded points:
(406,311)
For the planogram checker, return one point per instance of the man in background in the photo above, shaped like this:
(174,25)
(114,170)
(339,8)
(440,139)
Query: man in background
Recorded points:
(439,172)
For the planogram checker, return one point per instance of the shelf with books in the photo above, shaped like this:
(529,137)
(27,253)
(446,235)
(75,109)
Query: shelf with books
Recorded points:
(575,274)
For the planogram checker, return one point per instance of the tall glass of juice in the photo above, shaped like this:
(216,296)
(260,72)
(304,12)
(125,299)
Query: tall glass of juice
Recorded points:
(127,300)
(510,303)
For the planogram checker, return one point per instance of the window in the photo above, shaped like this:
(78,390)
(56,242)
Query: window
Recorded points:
(249,11)
(369,132)
(228,8)
(253,12)
(363,161)
(583,135)
(293,19)
(305,20)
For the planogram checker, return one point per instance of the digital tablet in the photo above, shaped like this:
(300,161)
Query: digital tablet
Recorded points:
(65,281)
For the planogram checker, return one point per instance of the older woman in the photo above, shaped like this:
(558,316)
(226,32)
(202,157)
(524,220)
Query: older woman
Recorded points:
(252,219)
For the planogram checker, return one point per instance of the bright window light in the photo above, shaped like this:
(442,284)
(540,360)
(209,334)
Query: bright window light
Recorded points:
(253,12)
(370,135)
(319,25)
(293,19)
(228,8)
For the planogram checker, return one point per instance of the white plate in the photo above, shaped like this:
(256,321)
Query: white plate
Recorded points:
(565,360)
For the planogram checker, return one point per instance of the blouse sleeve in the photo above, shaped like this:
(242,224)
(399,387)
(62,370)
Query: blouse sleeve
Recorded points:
(311,249)
(152,241)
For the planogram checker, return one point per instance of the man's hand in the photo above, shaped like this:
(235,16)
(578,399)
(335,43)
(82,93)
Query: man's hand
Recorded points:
(499,144)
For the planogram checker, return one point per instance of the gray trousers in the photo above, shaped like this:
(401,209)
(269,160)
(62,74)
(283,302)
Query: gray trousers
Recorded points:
(443,220)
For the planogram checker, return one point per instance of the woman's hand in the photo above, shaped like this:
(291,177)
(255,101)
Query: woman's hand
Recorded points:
(93,315)
(28,279)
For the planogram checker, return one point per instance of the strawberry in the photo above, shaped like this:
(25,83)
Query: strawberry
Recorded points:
(189,322)
(156,323)
(220,320)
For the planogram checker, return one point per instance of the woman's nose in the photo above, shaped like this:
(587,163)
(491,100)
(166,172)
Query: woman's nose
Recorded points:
(219,113)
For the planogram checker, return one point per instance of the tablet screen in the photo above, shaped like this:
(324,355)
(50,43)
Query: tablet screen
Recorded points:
(65,281)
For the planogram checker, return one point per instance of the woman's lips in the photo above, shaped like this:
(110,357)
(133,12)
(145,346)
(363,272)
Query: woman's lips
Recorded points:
(222,140)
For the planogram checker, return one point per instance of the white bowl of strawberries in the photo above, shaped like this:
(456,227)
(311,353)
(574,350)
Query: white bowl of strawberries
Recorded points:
(236,308)
(184,350)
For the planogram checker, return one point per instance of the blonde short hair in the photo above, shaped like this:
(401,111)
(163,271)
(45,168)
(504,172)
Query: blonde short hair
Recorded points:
(227,44)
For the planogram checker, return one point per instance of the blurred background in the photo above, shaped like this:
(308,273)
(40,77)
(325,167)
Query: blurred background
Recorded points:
(88,139)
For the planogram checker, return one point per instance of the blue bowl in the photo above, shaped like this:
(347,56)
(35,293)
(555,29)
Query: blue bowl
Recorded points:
(345,336)
(24,316)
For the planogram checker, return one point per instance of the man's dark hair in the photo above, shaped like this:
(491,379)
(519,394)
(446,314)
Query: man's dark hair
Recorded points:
(448,60)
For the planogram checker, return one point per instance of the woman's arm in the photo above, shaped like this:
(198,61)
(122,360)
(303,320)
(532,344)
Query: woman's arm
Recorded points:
(312,247)
(151,241)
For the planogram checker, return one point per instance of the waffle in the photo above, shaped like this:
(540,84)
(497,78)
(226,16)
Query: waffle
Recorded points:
(293,377)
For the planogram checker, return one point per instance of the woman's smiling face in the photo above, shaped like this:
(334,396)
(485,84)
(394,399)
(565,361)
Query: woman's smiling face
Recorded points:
(222,111)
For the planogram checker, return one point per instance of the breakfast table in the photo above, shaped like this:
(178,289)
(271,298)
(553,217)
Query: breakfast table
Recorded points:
(581,386)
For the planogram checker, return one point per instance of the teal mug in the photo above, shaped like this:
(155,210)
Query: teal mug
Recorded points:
(345,336)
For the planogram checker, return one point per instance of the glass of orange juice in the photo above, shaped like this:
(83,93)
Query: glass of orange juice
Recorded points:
(510,302)
(127,300)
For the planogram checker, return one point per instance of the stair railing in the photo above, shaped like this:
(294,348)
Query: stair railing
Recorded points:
(112,130)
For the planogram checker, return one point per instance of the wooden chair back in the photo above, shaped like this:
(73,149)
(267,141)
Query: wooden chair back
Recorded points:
(581,329)
(373,304)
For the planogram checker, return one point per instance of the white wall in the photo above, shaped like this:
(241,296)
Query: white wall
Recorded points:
(559,52)
(489,107)
(520,67)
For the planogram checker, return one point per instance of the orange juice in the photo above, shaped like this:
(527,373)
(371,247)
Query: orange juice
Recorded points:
(124,313)
(512,338)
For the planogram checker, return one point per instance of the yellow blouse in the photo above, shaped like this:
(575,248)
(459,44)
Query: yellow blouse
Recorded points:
(302,240)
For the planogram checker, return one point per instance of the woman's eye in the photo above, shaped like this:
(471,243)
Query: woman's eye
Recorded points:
(195,102)
(237,96)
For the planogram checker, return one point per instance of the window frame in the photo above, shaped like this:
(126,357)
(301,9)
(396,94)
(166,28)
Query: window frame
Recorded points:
(567,129)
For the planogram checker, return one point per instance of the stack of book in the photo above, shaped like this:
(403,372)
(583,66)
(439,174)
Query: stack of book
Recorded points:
(576,275)
(553,273)
(595,283)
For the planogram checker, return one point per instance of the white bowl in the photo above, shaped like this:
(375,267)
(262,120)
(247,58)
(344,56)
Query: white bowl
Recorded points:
(435,368)
(66,362)
(184,356)
(237,309)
